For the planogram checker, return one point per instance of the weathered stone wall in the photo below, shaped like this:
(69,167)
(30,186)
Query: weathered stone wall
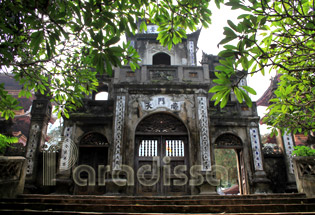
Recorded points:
(141,106)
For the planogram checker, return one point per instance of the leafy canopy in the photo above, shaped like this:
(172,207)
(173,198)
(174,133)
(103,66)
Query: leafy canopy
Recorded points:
(272,35)
(59,47)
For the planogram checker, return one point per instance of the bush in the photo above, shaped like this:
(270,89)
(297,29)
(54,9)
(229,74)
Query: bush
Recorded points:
(6,141)
(303,151)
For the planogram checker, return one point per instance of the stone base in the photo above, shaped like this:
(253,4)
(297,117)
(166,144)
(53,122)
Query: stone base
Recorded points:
(291,187)
(64,186)
(261,183)
(116,187)
(30,188)
(207,189)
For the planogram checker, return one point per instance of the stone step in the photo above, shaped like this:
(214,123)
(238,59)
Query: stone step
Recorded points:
(46,212)
(83,204)
(201,201)
(251,196)
(161,208)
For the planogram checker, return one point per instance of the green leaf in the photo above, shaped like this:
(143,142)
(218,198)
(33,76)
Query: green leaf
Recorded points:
(221,68)
(231,47)
(217,3)
(238,95)
(233,26)
(143,26)
(249,89)
(218,88)
(112,41)
(226,40)
(225,99)
(37,39)
(234,3)
(48,49)
(247,98)
(227,53)
(229,32)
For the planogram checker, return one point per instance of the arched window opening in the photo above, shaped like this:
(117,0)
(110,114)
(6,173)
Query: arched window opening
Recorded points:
(93,152)
(101,96)
(229,154)
(229,178)
(161,59)
(228,141)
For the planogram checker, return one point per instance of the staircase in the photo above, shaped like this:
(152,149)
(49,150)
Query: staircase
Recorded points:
(246,204)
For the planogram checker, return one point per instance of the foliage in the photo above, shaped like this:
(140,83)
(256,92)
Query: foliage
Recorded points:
(303,151)
(58,47)
(266,138)
(227,159)
(5,141)
(275,35)
(7,104)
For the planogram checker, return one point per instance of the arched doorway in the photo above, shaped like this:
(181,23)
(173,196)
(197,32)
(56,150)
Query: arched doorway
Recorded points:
(93,151)
(161,156)
(161,59)
(227,146)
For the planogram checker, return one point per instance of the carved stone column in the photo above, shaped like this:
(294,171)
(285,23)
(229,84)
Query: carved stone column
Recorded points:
(204,133)
(118,131)
(40,116)
(208,186)
(287,143)
(117,185)
(260,181)
(68,158)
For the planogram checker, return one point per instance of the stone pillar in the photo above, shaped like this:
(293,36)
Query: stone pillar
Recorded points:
(261,184)
(119,121)
(192,53)
(68,158)
(40,116)
(205,157)
(180,74)
(204,133)
(116,75)
(206,74)
(143,74)
(286,144)
(118,131)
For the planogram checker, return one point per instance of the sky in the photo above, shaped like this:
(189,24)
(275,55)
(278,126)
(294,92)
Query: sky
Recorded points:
(209,39)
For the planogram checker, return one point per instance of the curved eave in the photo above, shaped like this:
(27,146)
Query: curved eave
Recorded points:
(264,99)
(268,94)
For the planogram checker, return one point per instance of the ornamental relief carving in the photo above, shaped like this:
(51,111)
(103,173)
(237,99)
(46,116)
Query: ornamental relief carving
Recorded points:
(306,168)
(161,123)
(228,140)
(10,171)
(95,139)
(158,48)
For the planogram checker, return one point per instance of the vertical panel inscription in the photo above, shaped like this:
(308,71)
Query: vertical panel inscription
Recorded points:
(204,133)
(119,124)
